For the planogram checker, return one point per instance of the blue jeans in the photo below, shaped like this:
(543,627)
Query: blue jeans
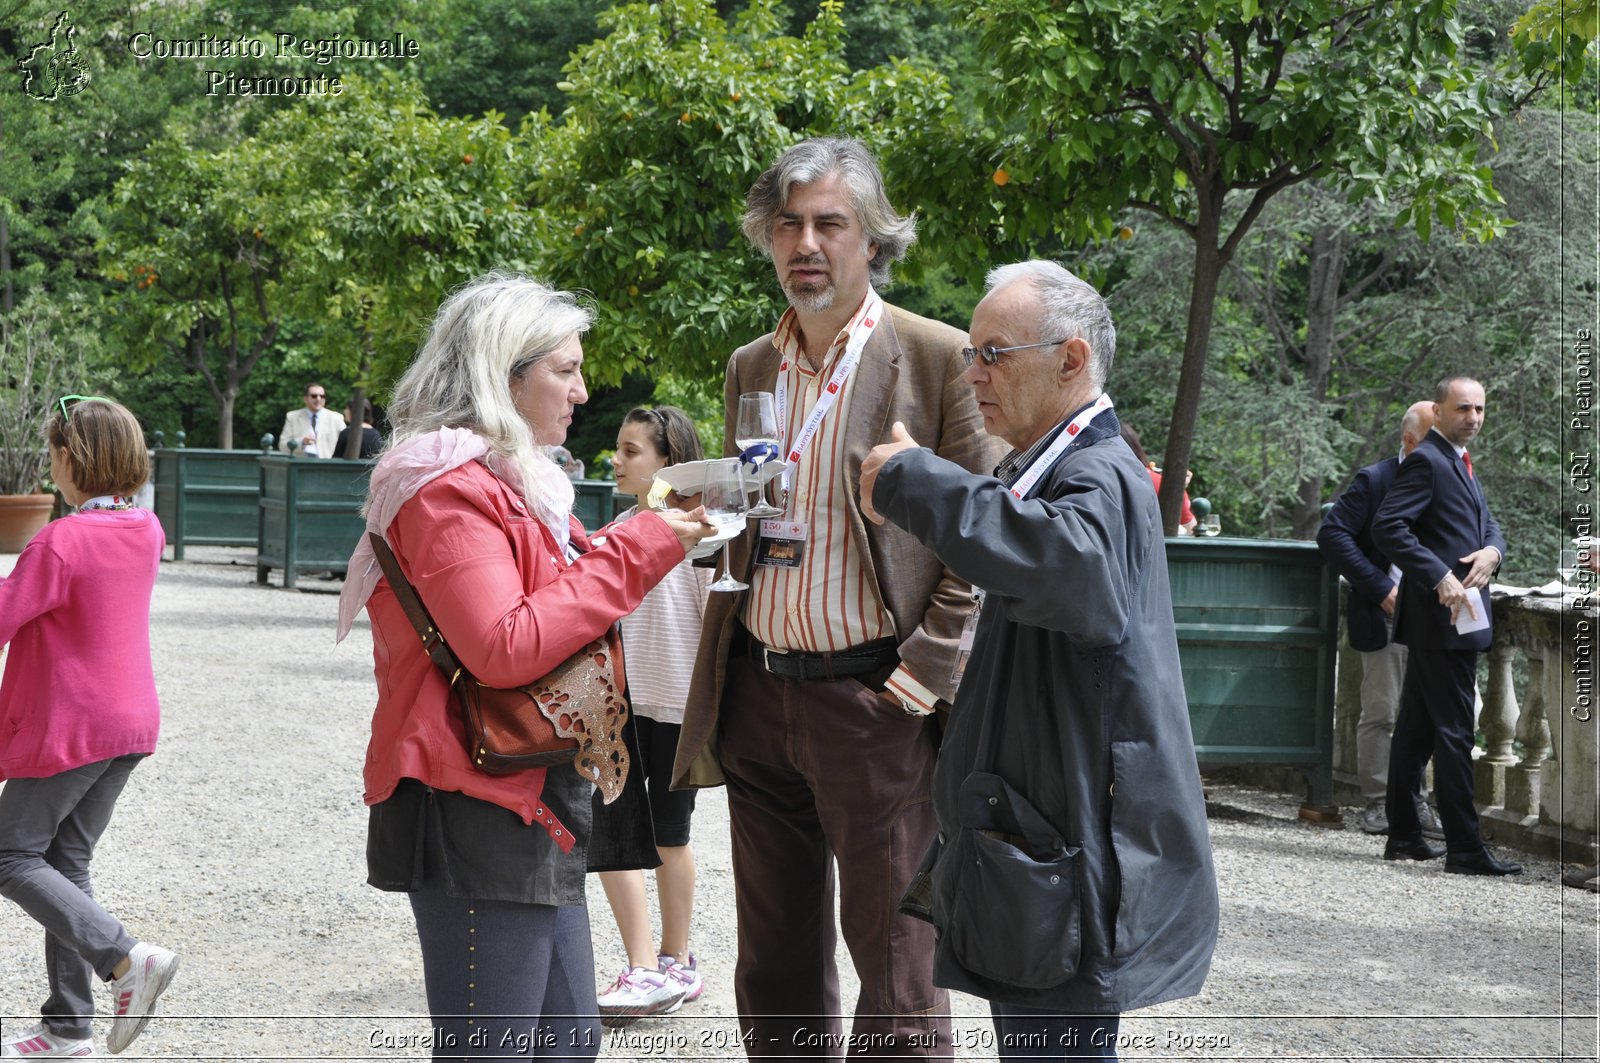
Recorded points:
(48,831)
(1030,1033)
(506,979)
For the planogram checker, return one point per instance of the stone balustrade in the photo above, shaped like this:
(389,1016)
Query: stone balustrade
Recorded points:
(1536,767)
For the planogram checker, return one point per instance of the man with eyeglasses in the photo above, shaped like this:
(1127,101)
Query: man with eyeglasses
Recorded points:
(815,690)
(1071,879)
(314,428)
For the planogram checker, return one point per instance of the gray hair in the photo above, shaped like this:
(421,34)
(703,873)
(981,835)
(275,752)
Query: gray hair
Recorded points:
(1070,308)
(812,160)
(489,331)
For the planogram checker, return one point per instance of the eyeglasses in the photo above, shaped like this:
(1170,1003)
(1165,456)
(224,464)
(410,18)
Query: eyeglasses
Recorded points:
(991,355)
(315,395)
(69,401)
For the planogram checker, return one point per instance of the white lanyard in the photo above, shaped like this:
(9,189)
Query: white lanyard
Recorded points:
(1068,436)
(830,394)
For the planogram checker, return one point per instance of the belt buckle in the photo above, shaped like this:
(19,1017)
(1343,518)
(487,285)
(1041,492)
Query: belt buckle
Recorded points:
(766,658)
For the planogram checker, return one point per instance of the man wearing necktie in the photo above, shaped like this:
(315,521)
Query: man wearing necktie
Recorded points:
(314,429)
(1435,525)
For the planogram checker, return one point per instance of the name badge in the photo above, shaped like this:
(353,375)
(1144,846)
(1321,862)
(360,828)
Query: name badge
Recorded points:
(782,543)
(969,635)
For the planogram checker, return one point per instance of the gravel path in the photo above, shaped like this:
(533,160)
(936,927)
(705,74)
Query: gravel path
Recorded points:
(240,844)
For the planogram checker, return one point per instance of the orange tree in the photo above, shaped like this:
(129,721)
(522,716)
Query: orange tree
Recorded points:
(355,213)
(383,207)
(1199,114)
(671,116)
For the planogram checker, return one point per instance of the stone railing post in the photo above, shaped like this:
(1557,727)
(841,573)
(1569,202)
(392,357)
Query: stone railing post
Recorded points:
(1498,724)
(1533,731)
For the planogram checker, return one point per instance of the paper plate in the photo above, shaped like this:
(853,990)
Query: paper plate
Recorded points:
(712,543)
(689,477)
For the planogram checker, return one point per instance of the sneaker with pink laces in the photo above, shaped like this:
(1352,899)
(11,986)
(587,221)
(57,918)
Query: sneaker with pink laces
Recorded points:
(38,1042)
(684,975)
(638,992)
(150,971)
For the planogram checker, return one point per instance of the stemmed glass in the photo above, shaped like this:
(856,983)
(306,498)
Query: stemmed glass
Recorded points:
(1567,564)
(757,426)
(1212,525)
(726,504)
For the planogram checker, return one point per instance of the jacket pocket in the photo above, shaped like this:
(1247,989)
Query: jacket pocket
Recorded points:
(1007,899)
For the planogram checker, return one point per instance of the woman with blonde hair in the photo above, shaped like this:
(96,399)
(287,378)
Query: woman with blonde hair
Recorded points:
(481,523)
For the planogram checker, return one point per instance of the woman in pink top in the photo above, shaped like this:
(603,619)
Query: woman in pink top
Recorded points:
(78,710)
(481,522)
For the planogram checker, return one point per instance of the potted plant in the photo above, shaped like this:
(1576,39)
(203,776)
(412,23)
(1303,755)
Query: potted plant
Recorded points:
(40,360)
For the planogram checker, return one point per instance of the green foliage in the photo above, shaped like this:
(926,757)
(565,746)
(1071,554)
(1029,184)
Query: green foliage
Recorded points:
(1431,308)
(355,212)
(1200,115)
(1557,37)
(1105,105)
(503,55)
(671,118)
(382,207)
(43,351)
(195,280)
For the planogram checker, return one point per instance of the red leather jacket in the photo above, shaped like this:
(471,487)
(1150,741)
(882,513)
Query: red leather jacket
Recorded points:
(501,591)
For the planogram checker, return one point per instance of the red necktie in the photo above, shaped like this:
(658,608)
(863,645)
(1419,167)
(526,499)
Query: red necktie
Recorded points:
(1467,457)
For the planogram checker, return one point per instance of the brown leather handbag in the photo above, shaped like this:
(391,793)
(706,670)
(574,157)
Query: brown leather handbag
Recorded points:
(573,715)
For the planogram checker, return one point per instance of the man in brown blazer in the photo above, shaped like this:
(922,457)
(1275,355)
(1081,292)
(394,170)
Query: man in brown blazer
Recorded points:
(815,691)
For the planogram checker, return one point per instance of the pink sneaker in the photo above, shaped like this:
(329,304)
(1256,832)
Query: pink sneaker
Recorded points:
(134,994)
(37,1042)
(684,975)
(638,992)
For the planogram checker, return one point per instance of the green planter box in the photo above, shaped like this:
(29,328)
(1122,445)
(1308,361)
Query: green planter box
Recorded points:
(596,503)
(206,497)
(309,514)
(1258,632)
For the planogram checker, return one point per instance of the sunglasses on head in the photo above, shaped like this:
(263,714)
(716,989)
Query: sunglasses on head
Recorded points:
(69,401)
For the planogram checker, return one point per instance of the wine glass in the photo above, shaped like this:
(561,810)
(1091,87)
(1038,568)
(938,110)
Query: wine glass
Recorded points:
(726,504)
(757,426)
(1567,564)
(1212,524)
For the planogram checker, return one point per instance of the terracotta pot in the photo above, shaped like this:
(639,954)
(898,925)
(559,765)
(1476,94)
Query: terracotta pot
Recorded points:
(21,517)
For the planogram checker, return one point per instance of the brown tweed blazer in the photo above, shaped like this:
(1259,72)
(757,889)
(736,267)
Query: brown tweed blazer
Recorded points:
(910,371)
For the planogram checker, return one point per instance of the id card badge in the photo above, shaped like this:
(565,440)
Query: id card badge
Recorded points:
(782,543)
(969,635)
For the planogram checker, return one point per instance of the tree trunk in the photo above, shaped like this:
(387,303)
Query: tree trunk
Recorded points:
(7,294)
(225,417)
(1322,308)
(358,401)
(1196,343)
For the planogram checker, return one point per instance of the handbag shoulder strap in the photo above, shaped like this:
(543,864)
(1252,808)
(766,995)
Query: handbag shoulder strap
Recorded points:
(432,641)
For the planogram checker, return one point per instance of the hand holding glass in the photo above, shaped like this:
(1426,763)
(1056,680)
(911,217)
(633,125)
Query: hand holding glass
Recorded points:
(726,504)
(757,425)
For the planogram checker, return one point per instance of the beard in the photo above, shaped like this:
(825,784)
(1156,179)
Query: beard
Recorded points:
(810,298)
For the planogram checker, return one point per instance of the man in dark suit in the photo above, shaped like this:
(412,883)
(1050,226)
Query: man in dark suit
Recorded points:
(1435,525)
(1345,539)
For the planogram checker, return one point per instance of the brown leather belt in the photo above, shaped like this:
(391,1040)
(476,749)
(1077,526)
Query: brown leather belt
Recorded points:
(841,664)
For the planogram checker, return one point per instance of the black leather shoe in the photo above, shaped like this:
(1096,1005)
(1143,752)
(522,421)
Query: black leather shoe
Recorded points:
(1481,862)
(1417,850)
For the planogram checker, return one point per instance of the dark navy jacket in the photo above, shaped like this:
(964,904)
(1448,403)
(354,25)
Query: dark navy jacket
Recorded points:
(1433,516)
(1077,653)
(1345,540)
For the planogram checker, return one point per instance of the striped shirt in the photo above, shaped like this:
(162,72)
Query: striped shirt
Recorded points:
(660,639)
(828,602)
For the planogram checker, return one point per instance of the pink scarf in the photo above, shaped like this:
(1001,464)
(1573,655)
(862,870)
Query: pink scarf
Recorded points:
(407,467)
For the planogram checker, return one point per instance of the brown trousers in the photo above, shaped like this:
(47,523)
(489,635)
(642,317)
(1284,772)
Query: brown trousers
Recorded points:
(820,772)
